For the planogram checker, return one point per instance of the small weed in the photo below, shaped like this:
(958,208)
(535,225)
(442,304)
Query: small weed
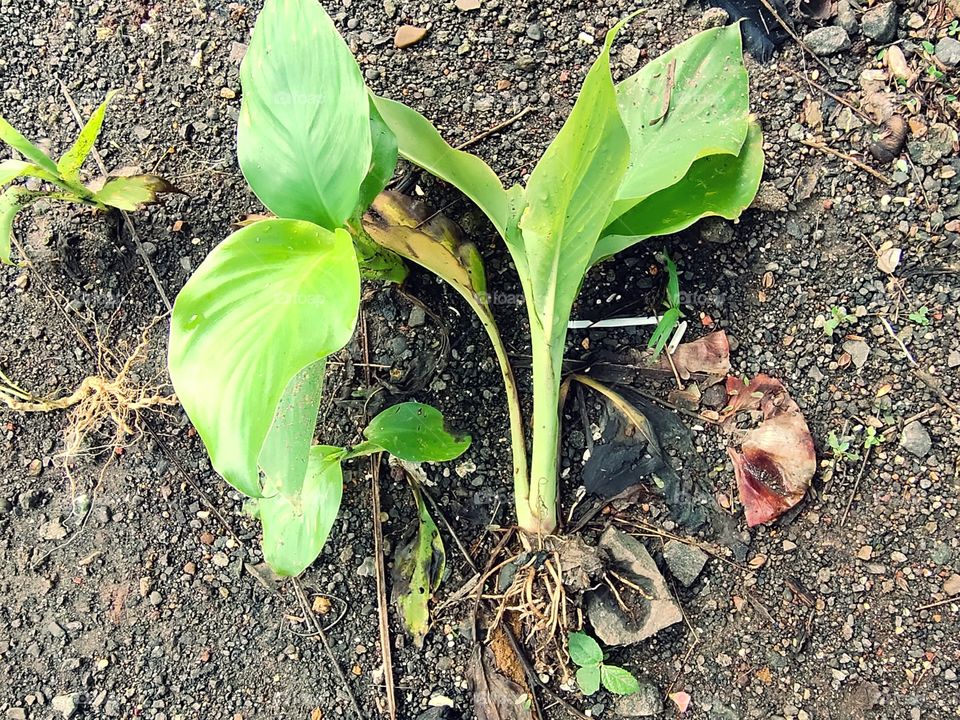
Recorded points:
(592,671)
(838,317)
(919,316)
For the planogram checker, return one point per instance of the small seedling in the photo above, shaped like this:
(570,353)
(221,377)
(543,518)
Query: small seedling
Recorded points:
(840,448)
(871,439)
(672,313)
(919,316)
(123,193)
(592,671)
(838,317)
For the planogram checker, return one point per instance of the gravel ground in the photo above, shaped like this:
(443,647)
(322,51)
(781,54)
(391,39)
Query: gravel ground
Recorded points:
(151,609)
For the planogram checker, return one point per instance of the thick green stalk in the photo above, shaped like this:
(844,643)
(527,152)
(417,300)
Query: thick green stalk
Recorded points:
(537,508)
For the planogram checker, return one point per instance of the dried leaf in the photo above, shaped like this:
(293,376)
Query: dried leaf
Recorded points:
(776,460)
(889,142)
(709,355)
(495,697)
(681,700)
(418,568)
(889,259)
(898,67)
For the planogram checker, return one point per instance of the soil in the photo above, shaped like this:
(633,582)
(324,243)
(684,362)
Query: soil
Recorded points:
(148,606)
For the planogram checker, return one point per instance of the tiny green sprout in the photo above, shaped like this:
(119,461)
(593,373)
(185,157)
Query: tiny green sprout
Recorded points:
(838,317)
(928,47)
(935,73)
(919,316)
(870,438)
(592,671)
(840,447)
(954,28)
(673,313)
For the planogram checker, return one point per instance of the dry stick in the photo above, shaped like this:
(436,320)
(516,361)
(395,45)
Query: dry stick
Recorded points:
(938,603)
(318,629)
(856,485)
(495,129)
(126,217)
(383,620)
(849,158)
(532,677)
(830,94)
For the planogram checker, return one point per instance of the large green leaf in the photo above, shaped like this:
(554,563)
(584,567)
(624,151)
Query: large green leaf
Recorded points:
(11,136)
(69,165)
(294,534)
(568,198)
(722,185)
(283,457)
(268,301)
(415,432)
(417,572)
(421,144)
(10,205)
(702,86)
(303,137)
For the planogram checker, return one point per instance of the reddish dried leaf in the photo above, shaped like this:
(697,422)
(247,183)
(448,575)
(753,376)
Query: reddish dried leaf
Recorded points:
(709,355)
(776,459)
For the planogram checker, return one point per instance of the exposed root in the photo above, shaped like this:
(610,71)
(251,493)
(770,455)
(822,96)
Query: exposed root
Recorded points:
(99,400)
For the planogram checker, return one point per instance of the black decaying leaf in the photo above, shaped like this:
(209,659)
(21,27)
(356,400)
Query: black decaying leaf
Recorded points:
(762,33)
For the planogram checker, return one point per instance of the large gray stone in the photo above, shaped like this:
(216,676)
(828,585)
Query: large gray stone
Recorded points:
(827,40)
(647,615)
(685,561)
(880,23)
(915,439)
(948,51)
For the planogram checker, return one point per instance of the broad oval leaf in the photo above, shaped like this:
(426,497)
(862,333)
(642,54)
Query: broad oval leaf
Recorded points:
(294,533)
(283,457)
(303,137)
(722,185)
(584,650)
(420,143)
(588,678)
(415,432)
(12,137)
(617,680)
(689,103)
(69,165)
(271,299)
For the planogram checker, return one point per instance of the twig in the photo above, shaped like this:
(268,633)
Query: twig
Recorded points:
(126,217)
(796,38)
(495,129)
(849,158)
(856,485)
(938,603)
(383,619)
(318,629)
(830,94)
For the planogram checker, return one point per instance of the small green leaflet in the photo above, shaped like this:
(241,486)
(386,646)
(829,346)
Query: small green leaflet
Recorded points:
(415,432)
(588,678)
(584,650)
(617,680)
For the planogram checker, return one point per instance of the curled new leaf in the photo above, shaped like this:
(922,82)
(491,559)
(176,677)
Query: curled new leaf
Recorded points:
(414,432)
(776,460)
(132,191)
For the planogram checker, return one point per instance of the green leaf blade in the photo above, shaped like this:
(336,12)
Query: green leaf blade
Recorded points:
(416,433)
(12,137)
(383,159)
(10,205)
(618,681)
(295,533)
(588,678)
(718,185)
(268,301)
(72,160)
(584,650)
(12,169)
(702,84)
(421,143)
(303,137)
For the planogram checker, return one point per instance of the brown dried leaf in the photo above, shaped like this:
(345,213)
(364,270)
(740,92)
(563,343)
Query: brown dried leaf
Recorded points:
(494,696)
(776,460)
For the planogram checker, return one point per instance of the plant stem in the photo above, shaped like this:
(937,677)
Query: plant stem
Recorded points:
(537,508)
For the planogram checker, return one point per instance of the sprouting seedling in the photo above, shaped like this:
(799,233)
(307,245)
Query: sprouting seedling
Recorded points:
(840,447)
(63,178)
(871,438)
(592,671)
(672,312)
(838,317)
(919,316)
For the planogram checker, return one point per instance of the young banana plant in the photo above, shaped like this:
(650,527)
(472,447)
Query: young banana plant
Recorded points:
(649,156)
(124,193)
